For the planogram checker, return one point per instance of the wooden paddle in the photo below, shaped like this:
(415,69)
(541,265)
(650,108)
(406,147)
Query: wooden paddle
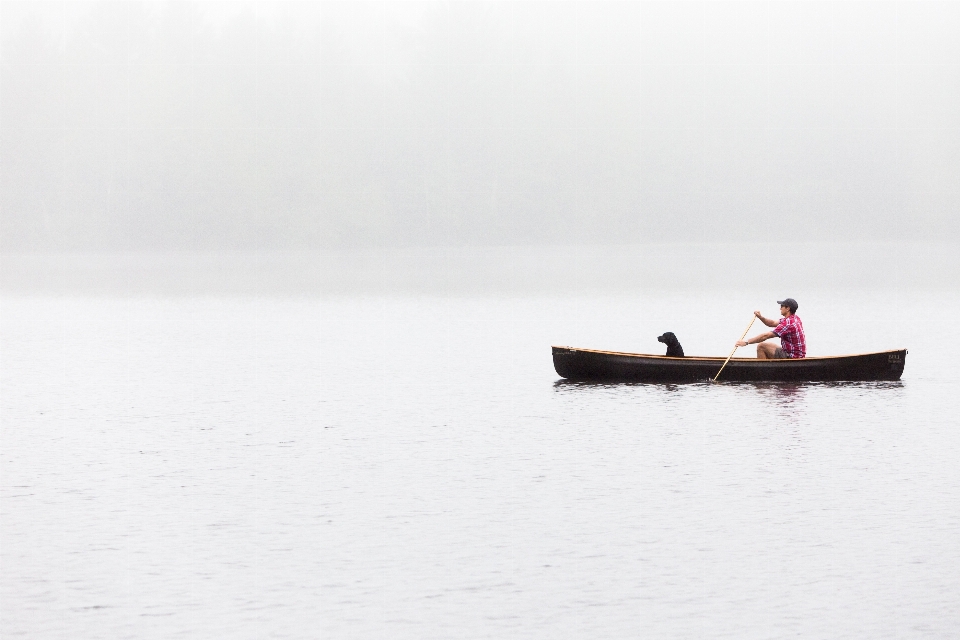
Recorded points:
(734,348)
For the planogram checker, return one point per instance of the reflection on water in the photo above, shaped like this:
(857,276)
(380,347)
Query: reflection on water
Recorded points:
(785,394)
(785,389)
(573,385)
(785,403)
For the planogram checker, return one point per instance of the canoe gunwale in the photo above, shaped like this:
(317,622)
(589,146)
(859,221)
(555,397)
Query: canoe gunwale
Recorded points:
(722,358)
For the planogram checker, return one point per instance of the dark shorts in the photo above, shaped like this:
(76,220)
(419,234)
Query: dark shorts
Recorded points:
(779,353)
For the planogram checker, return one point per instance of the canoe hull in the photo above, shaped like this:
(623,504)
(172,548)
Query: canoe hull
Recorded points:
(610,366)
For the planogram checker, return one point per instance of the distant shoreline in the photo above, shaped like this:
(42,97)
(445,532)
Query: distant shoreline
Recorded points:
(489,270)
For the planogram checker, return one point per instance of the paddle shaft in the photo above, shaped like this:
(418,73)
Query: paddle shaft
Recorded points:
(735,347)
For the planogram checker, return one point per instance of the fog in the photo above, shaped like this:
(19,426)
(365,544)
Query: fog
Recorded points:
(284,128)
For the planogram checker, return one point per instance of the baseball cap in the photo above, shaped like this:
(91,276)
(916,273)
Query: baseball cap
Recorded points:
(789,302)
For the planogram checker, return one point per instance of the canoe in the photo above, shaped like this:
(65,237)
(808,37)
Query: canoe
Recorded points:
(614,366)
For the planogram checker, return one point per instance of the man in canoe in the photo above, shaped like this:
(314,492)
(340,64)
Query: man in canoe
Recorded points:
(789,329)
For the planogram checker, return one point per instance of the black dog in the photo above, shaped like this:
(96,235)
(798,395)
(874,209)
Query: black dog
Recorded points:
(673,346)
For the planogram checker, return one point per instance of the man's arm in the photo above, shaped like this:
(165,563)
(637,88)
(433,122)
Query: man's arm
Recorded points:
(757,339)
(766,321)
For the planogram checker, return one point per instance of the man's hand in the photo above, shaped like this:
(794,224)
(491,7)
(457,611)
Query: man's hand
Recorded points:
(741,343)
(766,321)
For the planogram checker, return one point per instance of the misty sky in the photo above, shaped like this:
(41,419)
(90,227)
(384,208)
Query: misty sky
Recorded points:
(300,125)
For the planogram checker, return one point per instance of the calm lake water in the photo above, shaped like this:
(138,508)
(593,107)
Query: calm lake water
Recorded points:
(411,467)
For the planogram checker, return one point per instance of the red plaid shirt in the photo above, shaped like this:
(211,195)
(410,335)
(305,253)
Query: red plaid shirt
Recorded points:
(790,332)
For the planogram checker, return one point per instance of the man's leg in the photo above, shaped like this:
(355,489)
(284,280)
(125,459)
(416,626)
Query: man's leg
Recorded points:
(765,350)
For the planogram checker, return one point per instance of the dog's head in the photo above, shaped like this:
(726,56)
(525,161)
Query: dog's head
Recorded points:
(668,338)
